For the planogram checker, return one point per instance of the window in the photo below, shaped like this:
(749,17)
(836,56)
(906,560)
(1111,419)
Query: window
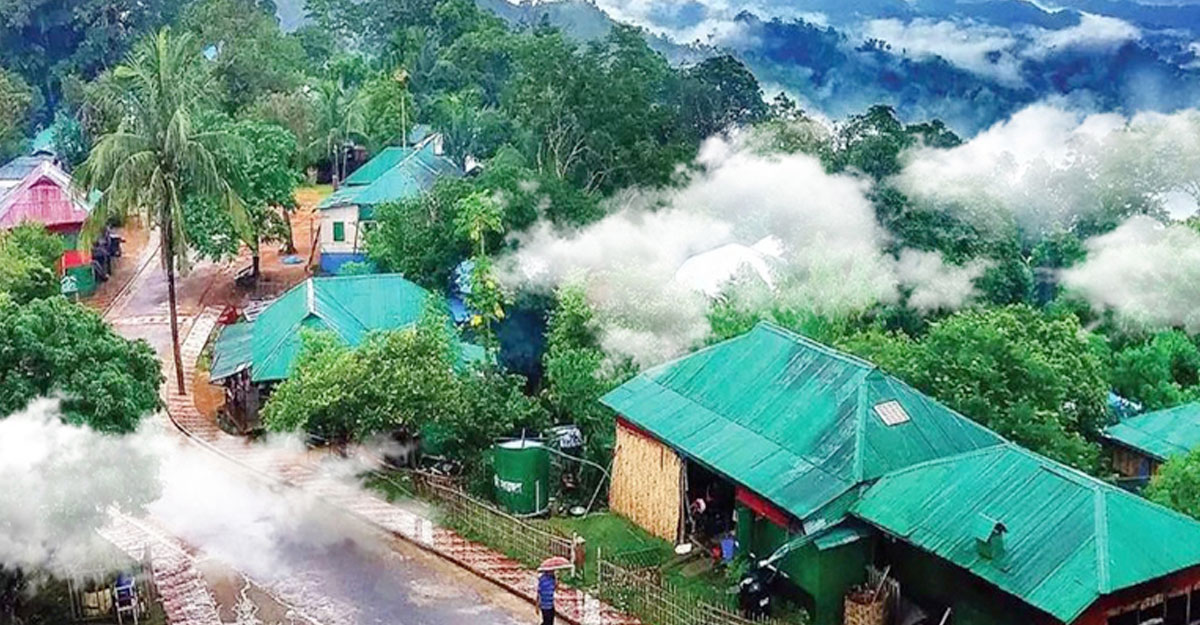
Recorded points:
(1176,610)
(339,231)
(891,412)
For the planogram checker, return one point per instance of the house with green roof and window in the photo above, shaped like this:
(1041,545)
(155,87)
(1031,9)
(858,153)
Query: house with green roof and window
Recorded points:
(250,357)
(831,467)
(1140,444)
(395,174)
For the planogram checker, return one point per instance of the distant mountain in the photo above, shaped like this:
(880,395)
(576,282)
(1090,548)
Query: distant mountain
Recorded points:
(968,62)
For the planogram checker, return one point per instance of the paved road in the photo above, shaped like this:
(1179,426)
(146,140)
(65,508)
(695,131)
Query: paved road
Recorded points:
(324,567)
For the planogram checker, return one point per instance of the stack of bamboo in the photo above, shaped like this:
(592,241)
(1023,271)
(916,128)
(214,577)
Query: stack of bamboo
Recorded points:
(647,482)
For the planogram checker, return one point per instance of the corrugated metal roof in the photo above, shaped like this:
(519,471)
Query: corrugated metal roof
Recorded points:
(1070,538)
(348,306)
(19,167)
(789,418)
(394,174)
(1162,433)
(377,166)
(232,351)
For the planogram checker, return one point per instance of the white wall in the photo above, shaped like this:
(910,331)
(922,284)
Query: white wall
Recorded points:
(347,215)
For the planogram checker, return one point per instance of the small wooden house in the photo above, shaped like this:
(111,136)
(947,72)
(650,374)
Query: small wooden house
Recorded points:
(1140,444)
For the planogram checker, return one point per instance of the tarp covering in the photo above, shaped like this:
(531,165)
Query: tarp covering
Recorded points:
(790,419)
(1162,433)
(1070,538)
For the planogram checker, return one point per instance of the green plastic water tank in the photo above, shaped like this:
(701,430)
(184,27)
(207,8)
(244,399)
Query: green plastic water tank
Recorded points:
(522,477)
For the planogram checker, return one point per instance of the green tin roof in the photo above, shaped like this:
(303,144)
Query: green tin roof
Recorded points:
(394,174)
(349,306)
(794,421)
(232,351)
(1162,433)
(1070,538)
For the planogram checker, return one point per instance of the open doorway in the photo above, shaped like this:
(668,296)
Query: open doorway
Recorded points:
(710,505)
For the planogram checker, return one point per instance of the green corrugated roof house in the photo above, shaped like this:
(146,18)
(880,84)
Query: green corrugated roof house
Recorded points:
(251,354)
(1141,444)
(816,444)
(395,174)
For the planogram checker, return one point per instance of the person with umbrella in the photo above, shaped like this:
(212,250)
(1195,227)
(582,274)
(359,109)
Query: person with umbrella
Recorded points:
(547,584)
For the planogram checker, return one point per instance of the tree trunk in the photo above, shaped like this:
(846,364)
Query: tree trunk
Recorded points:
(291,239)
(254,263)
(168,247)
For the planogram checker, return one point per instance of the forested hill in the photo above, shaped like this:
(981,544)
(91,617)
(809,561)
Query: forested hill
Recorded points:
(970,64)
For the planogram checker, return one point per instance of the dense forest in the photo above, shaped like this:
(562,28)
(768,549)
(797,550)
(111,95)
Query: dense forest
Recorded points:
(993,282)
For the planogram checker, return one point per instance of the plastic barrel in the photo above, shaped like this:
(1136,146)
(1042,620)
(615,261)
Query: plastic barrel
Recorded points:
(522,477)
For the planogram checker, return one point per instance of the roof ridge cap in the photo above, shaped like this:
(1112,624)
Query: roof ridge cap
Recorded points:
(817,345)
(978,451)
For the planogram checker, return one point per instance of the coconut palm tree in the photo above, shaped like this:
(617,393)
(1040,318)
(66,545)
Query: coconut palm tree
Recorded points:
(156,159)
(339,122)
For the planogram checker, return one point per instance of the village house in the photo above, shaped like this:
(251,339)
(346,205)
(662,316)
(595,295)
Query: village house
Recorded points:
(35,189)
(395,174)
(827,468)
(1140,444)
(250,357)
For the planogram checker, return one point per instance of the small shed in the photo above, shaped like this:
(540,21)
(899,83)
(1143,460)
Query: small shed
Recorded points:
(249,358)
(395,174)
(1139,445)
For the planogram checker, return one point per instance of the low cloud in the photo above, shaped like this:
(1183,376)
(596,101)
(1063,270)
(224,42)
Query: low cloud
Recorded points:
(981,49)
(814,235)
(1048,167)
(1145,271)
(1093,32)
(936,285)
(59,481)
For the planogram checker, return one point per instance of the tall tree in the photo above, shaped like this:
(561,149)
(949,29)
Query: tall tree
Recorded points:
(17,102)
(156,160)
(340,120)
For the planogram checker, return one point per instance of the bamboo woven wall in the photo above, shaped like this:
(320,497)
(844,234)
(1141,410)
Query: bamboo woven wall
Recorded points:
(647,480)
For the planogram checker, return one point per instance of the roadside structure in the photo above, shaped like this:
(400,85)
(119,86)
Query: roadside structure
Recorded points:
(1140,444)
(34,189)
(251,357)
(395,174)
(830,466)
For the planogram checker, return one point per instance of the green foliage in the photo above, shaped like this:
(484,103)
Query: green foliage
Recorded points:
(1160,373)
(252,56)
(53,346)
(47,40)
(1177,484)
(1035,379)
(389,107)
(260,168)
(401,379)
(17,105)
(417,237)
(718,94)
(392,380)
(28,258)
(577,374)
